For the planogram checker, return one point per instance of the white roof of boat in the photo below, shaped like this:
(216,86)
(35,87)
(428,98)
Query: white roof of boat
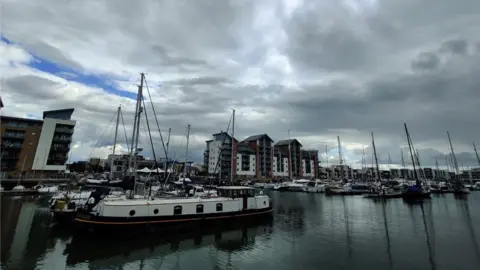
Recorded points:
(166,201)
(235,187)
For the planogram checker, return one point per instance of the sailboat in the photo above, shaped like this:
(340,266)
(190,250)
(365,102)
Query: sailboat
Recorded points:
(383,191)
(416,191)
(458,186)
(231,203)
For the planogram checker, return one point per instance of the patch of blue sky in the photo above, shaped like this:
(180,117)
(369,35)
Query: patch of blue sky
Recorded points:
(70,74)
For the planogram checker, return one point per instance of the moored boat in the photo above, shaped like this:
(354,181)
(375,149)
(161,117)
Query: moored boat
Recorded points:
(232,203)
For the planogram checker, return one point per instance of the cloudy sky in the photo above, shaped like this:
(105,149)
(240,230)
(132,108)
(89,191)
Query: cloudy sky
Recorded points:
(320,68)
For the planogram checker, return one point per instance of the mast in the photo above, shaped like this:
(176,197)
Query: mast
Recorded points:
(289,156)
(476,153)
(403,161)
(166,151)
(364,163)
(140,109)
(186,155)
(340,159)
(232,171)
(438,169)
(411,155)
(455,163)
(376,159)
(453,153)
(115,142)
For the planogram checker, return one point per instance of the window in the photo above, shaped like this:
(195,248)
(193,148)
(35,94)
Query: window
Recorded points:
(132,212)
(219,207)
(199,208)
(177,210)
(155,212)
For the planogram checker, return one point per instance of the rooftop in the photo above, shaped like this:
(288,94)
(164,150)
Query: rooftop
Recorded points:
(287,142)
(60,114)
(258,137)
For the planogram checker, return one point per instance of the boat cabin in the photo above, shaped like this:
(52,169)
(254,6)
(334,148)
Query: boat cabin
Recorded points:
(235,191)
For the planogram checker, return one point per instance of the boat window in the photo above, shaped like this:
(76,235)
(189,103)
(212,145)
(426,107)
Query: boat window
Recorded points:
(219,207)
(177,210)
(155,211)
(132,212)
(199,208)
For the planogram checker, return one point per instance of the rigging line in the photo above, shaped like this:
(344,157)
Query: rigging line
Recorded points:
(124,129)
(156,119)
(103,133)
(149,133)
(174,160)
(219,160)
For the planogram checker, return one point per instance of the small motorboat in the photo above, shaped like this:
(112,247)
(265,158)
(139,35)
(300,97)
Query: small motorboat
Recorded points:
(45,189)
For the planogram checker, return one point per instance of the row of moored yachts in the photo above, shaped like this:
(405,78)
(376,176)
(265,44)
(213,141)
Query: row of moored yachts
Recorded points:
(387,189)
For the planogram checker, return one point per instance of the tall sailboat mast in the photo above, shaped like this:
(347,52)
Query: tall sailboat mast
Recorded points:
(453,154)
(410,147)
(476,153)
(232,171)
(115,142)
(376,159)
(186,154)
(289,156)
(340,158)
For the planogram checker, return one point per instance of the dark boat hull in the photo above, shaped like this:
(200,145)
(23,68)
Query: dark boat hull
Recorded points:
(87,222)
(64,218)
(384,196)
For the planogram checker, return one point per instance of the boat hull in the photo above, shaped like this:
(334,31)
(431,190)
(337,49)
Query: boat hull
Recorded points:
(87,222)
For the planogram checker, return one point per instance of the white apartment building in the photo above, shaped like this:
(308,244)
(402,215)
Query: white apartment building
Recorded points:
(282,170)
(311,173)
(54,142)
(213,148)
(246,164)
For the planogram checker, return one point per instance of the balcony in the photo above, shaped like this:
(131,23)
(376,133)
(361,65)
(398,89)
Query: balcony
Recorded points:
(64,130)
(10,157)
(9,144)
(60,148)
(14,135)
(62,139)
(17,125)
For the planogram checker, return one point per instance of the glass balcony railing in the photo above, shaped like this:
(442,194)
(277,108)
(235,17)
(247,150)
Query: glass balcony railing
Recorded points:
(13,135)
(64,130)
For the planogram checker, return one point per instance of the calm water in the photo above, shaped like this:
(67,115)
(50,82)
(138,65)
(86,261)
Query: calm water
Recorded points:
(309,231)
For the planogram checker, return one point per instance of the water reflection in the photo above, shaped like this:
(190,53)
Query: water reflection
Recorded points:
(387,233)
(465,210)
(104,252)
(309,231)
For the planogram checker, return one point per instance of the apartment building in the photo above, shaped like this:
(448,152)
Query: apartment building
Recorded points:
(280,163)
(264,144)
(218,155)
(294,156)
(309,163)
(31,146)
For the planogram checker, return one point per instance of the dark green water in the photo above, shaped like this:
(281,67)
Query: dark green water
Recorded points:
(309,231)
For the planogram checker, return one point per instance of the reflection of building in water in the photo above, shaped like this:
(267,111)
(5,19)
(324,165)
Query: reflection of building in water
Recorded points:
(103,253)
(10,212)
(20,235)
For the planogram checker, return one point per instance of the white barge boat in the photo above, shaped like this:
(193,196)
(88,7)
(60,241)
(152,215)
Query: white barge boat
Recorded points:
(231,202)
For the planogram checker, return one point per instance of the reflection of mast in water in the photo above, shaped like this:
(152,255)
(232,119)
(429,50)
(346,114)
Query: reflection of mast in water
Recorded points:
(387,235)
(471,231)
(429,246)
(347,228)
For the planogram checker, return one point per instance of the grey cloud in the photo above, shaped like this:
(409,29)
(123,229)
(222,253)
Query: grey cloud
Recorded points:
(197,41)
(426,61)
(32,86)
(456,46)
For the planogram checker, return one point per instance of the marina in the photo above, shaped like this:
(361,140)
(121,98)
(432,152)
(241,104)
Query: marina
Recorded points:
(306,230)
